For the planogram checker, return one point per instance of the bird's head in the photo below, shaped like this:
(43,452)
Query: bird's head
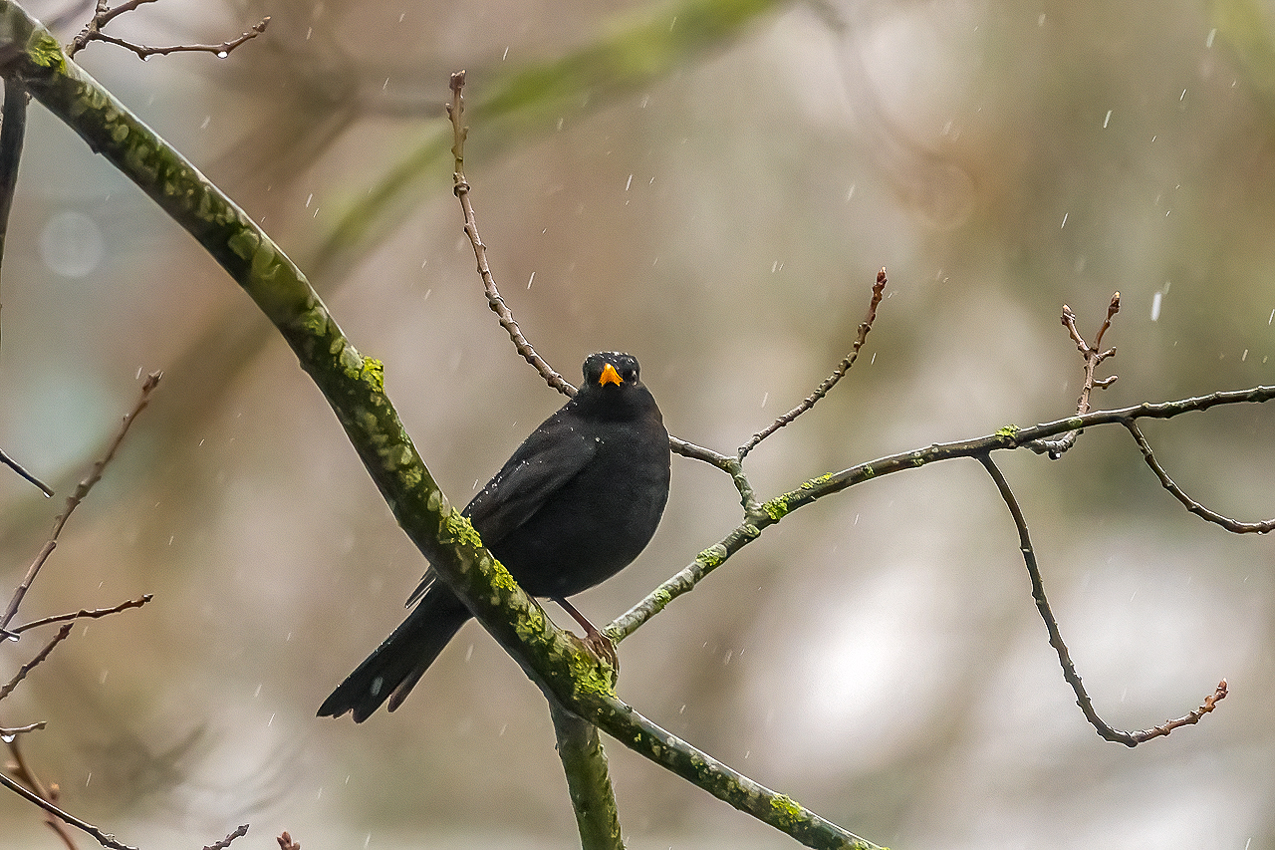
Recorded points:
(611,388)
(609,370)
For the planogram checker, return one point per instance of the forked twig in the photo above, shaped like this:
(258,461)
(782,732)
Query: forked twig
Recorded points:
(221,51)
(1010,437)
(1093,355)
(1104,729)
(878,290)
(1190,504)
(104,14)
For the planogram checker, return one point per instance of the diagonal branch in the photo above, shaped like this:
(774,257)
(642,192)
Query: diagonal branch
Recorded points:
(1104,729)
(12,685)
(659,745)
(878,290)
(456,113)
(103,838)
(81,492)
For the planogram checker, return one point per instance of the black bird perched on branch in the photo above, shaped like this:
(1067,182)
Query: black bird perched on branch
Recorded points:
(573,506)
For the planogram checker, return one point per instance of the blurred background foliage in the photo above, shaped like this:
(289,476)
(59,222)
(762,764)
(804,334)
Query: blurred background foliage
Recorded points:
(712,186)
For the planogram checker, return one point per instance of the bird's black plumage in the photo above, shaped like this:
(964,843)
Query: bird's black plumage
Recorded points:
(574,505)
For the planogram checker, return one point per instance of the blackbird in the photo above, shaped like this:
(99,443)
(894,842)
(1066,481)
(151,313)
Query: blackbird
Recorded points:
(573,506)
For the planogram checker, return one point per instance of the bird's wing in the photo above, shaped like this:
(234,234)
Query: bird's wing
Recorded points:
(555,453)
(541,466)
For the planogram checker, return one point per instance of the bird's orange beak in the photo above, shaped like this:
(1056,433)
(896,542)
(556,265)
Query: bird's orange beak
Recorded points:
(609,376)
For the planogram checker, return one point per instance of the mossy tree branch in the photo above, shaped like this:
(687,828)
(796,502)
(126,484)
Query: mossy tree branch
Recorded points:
(588,780)
(354,387)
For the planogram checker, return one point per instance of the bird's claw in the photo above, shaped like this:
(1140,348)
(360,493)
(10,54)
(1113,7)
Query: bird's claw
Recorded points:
(603,648)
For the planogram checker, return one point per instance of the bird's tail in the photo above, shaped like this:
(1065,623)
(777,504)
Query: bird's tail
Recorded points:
(395,666)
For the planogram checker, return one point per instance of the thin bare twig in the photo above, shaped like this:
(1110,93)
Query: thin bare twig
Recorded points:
(225,842)
(1104,729)
(16,467)
(103,838)
(23,773)
(1093,355)
(102,15)
(13,683)
(220,50)
(14,731)
(81,491)
(84,614)
(1190,504)
(1191,718)
(878,290)
(106,13)
(456,112)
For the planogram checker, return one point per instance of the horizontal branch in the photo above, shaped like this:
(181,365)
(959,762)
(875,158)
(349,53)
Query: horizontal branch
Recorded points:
(84,614)
(1009,437)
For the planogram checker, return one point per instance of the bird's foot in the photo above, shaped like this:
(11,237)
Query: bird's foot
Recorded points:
(602,647)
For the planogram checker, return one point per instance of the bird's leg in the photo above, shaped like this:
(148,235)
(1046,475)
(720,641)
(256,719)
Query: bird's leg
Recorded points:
(594,639)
